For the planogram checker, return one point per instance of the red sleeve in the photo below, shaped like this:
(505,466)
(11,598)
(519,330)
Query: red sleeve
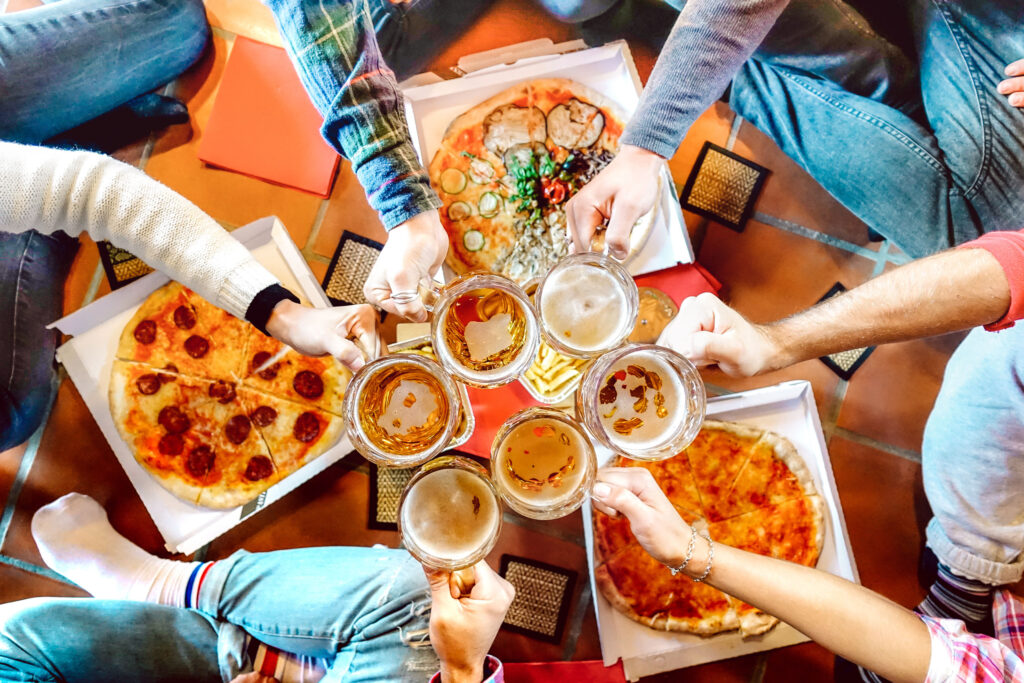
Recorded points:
(1008,248)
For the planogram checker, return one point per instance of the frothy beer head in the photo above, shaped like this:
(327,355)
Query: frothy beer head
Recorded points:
(449,517)
(641,401)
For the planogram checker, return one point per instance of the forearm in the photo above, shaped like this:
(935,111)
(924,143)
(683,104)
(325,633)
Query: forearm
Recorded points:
(843,617)
(707,46)
(334,48)
(951,291)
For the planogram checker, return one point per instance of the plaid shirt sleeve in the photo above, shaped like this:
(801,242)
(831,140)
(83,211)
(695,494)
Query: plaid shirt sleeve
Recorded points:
(334,48)
(958,655)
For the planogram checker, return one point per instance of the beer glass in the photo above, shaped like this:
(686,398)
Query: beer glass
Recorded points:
(587,305)
(484,328)
(642,401)
(542,463)
(449,515)
(401,410)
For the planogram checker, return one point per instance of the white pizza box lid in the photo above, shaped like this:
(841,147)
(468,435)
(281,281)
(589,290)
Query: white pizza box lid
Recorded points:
(787,409)
(88,357)
(608,69)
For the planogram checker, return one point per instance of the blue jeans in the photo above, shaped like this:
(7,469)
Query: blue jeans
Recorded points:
(926,152)
(364,610)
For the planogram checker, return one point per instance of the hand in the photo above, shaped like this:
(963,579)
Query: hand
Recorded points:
(322,331)
(462,629)
(708,332)
(654,521)
(414,250)
(625,190)
(1013,87)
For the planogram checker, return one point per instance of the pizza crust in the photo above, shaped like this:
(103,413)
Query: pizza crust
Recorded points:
(786,451)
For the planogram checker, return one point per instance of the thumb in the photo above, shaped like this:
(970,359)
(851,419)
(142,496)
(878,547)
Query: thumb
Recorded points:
(710,348)
(583,219)
(407,279)
(345,351)
(620,499)
(619,226)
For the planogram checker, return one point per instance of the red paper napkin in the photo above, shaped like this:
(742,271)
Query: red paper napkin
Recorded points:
(682,281)
(264,125)
(551,672)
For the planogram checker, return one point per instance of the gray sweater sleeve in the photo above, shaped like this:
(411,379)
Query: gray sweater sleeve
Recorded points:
(708,44)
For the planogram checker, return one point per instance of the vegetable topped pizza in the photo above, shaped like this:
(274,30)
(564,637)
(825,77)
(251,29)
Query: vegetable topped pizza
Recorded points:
(507,167)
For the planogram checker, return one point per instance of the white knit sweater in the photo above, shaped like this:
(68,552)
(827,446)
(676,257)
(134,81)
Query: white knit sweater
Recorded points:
(48,190)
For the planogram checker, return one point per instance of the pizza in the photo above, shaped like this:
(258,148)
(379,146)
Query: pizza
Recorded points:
(745,487)
(203,411)
(506,168)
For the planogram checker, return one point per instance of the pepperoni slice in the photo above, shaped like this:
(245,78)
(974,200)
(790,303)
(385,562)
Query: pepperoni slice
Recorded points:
(145,332)
(308,384)
(200,461)
(259,359)
(148,384)
(196,346)
(263,416)
(164,379)
(184,317)
(237,429)
(223,391)
(173,420)
(259,467)
(307,427)
(171,444)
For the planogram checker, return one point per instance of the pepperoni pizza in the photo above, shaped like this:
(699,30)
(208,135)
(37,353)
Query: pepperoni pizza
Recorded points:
(190,396)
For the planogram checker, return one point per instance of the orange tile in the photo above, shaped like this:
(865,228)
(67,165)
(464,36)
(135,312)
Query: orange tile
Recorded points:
(18,584)
(891,395)
(10,461)
(249,18)
(883,502)
(588,644)
(227,196)
(348,210)
(132,152)
(806,662)
(319,269)
(83,269)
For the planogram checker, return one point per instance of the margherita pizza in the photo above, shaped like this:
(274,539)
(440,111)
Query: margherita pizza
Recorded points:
(507,166)
(186,397)
(748,488)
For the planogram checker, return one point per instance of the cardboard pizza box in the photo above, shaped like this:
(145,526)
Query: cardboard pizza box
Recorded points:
(88,357)
(787,409)
(608,69)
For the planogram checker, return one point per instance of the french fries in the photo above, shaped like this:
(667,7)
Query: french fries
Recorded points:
(552,373)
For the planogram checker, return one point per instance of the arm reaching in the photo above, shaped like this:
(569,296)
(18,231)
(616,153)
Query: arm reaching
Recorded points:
(848,619)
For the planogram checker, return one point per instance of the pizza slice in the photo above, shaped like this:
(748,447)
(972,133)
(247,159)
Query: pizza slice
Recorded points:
(611,534)
(716,458)
(774,473)
(793,530)
(294,433)
(315,382)
(676,479)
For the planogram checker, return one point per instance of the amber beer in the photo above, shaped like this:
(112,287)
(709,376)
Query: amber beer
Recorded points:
(588,305)
(542,463)
(449,515)
(401,410)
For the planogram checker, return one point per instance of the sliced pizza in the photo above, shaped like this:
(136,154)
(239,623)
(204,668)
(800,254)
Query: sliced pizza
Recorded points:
(294,433)
(774,473)
(716,457)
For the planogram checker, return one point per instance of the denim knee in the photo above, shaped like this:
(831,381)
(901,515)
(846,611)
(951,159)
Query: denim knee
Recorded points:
(21,416)
(190,25)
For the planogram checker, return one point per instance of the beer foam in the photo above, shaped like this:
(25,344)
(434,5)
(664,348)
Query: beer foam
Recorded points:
(450,514)
(654,431)
(584,307)
(410,406)
(484,339)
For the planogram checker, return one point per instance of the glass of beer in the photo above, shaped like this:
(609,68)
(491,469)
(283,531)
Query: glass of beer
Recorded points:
(642,401)
(449,515)
(588,305)
(401,410)
(542,463)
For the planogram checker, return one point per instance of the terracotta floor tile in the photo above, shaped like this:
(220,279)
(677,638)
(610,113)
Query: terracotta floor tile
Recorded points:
(769,273)
(806,663)
(132,152)
(883,502)
(249,18)
(10,461)
(588,645)
(227,196)
(18,584)
(822,380)
(712,126)
(319,269)
(736,670)
(83,270)
(347,210)
(891,395)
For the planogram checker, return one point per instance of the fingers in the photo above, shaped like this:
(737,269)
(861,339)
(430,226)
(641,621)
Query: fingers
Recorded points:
(1014,88)
(1015,68)
(637,480)
(406,280)
(710,348)
(616,496)
(624,215)
(696,313)
(345,351)
(583,218)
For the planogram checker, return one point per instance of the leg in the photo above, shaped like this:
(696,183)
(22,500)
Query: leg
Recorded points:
(32,272)
(964,47)
(363,608)
(974,459)
(77,59)
(48,639)
(575,11)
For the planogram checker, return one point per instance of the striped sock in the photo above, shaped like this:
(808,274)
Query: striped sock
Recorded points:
(189,585)
(956,597)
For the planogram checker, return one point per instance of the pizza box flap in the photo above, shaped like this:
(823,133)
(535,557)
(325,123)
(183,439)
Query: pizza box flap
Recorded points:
(787,409)
(608,69)
(88,357)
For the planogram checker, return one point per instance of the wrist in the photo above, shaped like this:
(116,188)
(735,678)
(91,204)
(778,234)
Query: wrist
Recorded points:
(466,673)
(282,317)
(779,353)
(640,156)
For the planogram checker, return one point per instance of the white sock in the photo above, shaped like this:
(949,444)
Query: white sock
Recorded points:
(75,539)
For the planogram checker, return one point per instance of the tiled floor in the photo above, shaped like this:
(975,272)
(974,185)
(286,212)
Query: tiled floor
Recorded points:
(799,243)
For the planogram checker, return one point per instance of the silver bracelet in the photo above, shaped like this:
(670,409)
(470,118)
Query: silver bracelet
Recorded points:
(689,552)
(711,557)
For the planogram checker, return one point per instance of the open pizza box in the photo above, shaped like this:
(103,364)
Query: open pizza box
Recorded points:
(608,69)
(787,409)
(88,357)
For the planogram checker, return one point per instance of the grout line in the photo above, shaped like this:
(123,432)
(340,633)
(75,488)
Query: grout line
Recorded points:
(313,256)
(94,284)
(904,453)
(797,229)
(36,569)
(757,675)
(734,131)
(318,221)
(27,458)
(572,634)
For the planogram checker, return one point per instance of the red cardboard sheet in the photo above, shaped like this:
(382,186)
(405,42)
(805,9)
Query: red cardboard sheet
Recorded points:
(552,672)
(264,125)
